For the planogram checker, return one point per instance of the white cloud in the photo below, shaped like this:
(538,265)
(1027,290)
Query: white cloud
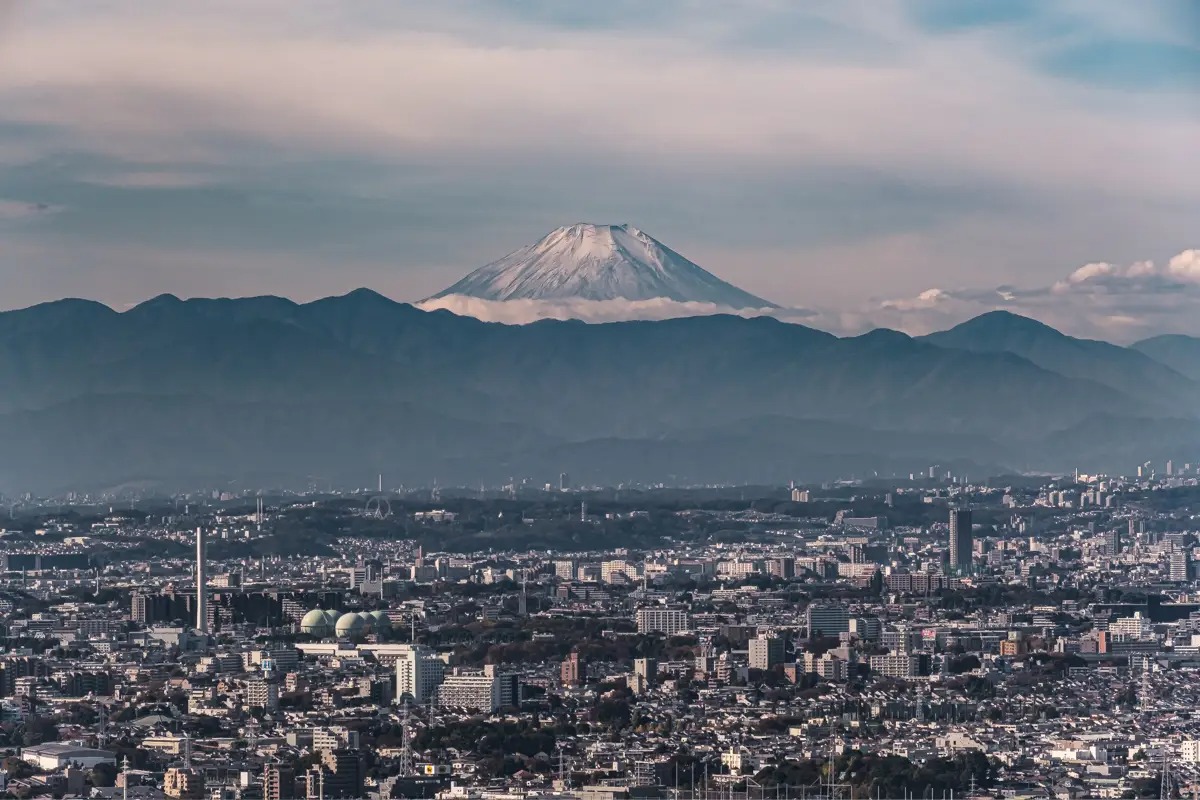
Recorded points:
(926,299)
(1185,266)
(126,79)
(1089,271)
(522,312)
(1140,276)
(1101,299)
(458,89)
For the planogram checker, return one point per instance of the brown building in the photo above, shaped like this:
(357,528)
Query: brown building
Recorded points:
(574,671)
(279,782)
(183,783)
(1014,645)
(340,774)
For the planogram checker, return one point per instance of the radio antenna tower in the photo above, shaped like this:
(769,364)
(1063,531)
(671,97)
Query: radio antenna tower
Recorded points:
(1164,786)
(406,747)
(1145,692)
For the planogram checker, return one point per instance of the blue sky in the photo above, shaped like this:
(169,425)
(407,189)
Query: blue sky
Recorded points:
(847,157)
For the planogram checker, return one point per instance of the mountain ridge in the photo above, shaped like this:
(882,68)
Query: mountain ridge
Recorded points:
(1178,351)
(188,388)
(1111,365)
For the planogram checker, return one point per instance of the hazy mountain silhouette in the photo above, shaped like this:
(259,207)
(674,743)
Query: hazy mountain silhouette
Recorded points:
(264,390)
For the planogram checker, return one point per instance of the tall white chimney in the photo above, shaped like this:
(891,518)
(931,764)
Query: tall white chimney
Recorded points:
(201,583)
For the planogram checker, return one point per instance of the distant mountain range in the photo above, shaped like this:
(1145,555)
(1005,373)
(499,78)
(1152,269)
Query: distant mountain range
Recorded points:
(264,391)
(596,263)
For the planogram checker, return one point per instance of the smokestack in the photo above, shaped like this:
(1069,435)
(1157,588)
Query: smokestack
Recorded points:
(201,583)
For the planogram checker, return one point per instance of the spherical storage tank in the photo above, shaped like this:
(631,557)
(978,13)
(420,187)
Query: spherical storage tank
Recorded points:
(350,625)
(316,623)
(383,623)
(368,622)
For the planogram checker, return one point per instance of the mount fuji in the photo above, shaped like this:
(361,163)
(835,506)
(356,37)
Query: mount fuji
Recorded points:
(599,263)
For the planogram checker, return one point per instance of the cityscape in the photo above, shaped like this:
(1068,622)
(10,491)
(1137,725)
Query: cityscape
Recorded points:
(856,639)
(600,400)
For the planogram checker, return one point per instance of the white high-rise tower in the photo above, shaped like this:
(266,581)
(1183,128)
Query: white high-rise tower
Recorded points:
(201,583)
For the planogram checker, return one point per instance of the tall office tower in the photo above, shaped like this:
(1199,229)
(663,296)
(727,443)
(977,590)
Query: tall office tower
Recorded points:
(961,539)
(1180,567)
(1112,541)
(765,652)
(201,583)
(419,671)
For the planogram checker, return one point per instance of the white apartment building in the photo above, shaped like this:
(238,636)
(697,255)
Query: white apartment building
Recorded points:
(669,621)
(897,665)
(419,671)
(474,691)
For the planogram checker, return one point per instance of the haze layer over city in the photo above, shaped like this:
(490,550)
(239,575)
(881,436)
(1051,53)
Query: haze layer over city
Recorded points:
(599,401)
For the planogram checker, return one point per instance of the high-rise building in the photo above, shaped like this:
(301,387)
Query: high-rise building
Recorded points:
(508,683)
(201,583)
(148,609)
(617,570)
(367,577)
(1180,567)
(961,539)
(827,620)
(573,671)
(1112,541)
(783,567)
(262,692)
(866,628)
(279,782)
(419,672)
(765,652)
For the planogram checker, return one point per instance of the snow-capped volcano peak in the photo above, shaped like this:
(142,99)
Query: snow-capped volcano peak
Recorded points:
(600,262)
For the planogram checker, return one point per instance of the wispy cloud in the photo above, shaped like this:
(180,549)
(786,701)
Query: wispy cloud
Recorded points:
(818,153)
(522,312)
(1117,301)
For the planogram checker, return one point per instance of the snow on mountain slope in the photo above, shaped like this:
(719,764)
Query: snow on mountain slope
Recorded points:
(598,263)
